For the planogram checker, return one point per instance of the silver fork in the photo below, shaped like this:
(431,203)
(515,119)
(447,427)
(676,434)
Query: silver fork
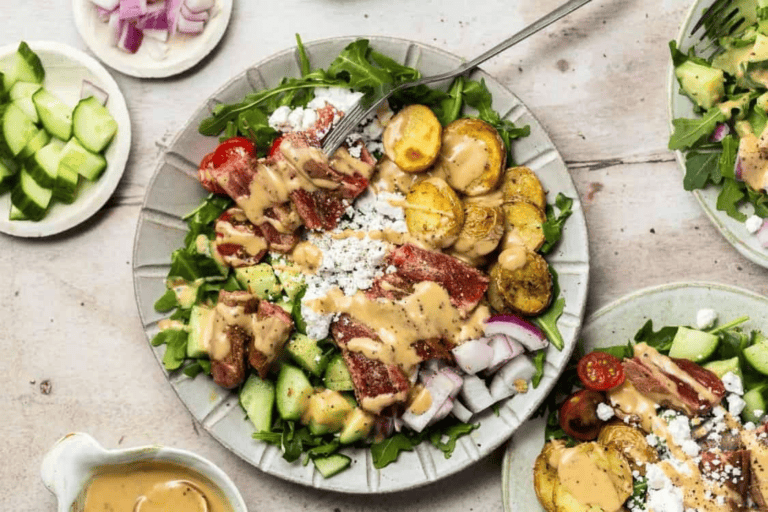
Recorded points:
(362,110)
(725,18)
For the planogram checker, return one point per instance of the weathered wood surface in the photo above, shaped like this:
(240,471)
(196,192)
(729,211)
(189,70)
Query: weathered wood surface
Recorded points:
(597,81)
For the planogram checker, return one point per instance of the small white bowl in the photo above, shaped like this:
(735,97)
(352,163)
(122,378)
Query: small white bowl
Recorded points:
(75,458)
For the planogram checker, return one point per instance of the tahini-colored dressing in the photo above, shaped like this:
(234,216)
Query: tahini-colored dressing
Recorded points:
(251,243)
(391,178)
(421,400)
(267,333)
(463,158)
(588,482)
(152,486)
(307,256)
(513,257)
(754,162)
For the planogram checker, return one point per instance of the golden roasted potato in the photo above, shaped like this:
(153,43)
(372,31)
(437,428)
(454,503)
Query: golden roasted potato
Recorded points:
(611,464)
(630,442)
(482,230)
(525,220)
(472,156)
(434,213)
(412,138)
(522,183)
(494,296)
(525,288)
(391,178)
(545,476)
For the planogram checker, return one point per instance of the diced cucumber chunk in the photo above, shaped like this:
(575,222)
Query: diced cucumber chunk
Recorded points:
(84,162)
(44,165)
(199,323)
(332,464)
(357,426)
(291,279)
(65,189)
(693,344)
(258,399)
(260,280)
(24,65)
(22,90)
(337,376)
(35,144)
(28,107)
(16,214)
(55,115)
(755,407)
(757,356)
(17,128)
(93,125)
(29,197)
(307,353)
(7,178)
(720,368)
(293,390)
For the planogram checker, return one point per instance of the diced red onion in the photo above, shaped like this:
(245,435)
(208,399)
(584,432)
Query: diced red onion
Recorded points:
(154,21)
(115,26)
(443,411)
(193,16)
(172,9)
(90,89)
(103,14)
(155,7)
(199,5)
(518,329)
(504,350)
(130,38)
(738,169)
(186,26)
(157,35)
(107,5)
(504,384)
(475,395)
(473,356)
(132,9)
(461,412)
(440,387)
(721,130)
(762,235)
(383,426)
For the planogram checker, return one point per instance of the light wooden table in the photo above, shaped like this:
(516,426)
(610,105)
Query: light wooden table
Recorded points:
(595,80)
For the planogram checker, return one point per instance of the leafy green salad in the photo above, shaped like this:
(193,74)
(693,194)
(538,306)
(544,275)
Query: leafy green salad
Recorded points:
(195,278)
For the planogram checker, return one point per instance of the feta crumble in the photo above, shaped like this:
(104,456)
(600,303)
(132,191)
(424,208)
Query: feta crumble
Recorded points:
(736,404)
(732,383)
(604,411)
(705,318)
(753,224)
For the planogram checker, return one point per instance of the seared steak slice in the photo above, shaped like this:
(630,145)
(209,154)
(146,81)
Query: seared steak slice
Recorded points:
(390,287)
(238,243)
(731,469)
(320,209)
(377,385)
(229,372)
(271,329)
(241,298)
(465,284)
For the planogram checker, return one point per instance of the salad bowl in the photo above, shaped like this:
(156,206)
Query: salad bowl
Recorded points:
(175,191)
(615,324)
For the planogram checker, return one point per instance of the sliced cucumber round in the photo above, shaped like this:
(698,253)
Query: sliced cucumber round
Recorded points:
(55,115)
(757,356)
(93,125)
(693,344)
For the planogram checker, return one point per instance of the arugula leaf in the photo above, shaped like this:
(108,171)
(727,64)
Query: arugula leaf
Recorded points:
(303,58)
(255,124)
(759,200)
(727,162)
(353,67)
(547,321)
(175,341)
(679,57)
(639,490)
(449,109)
(689,132)
(385,452)
(553,226)
(661,340)
(701,168)
(167,302)
(322,450)
(757,119)
(397,71)
(191,267)
(729,198)
(199,366)
(452,433)
(298,319)
(619,351)
(201,218)
(553,431)
(538,362)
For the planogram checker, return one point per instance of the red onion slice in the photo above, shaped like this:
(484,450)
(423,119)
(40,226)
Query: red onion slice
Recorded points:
(473,356)
(115,26)
(186,26)
(475,395)
(199,5)
(90,89)
(440,388)
(720,132)
(505,383)
(738,169)
(154,21)
(130,38)
(193,16)
(103,14)
(130,9)
(461,412)
(504,350)
(107,5)
(518,329)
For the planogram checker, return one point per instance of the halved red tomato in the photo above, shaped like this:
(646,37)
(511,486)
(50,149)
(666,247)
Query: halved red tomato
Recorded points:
(275,146)
(600,371)
(578,415)
(235,146)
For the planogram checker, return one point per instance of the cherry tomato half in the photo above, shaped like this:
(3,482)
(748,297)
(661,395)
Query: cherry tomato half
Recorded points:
(230,148)
(578,415)
(275,147)
(600,371)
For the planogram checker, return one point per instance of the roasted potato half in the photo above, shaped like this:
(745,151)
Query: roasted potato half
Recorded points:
(525,220)
(526,289)
(482,230)
(522,183)
(434,213)
(545,476)
(630,442)
(412,138)
(472,156)
(614,465)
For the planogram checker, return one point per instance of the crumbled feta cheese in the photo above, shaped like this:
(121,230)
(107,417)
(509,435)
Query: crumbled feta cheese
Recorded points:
(732,383)
(736,404)
(604,412)
(342,99)
(753,224)
(705,318)
(662,494)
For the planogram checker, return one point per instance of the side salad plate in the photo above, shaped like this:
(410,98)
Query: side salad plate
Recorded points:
(707,134)
(677,304)
(175,191)
(83,94)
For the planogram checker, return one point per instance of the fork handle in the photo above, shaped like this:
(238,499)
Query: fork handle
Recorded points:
(528,31)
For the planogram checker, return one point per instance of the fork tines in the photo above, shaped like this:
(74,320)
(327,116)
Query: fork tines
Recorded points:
(722,18)
(340,131)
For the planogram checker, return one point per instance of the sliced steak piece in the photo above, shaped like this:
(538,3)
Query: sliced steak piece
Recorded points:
(320,209)
(465,284)
(238,243)
(377,385)
(229,372)
(271,329)
(731,469)
(390,287)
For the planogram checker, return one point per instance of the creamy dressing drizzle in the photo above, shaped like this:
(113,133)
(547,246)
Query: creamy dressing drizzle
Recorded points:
(421,400)
(307,256)
(586,481)
(651,356)
(754,160)
(463,159)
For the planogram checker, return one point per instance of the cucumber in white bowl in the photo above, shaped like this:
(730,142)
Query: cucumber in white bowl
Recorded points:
(64,138)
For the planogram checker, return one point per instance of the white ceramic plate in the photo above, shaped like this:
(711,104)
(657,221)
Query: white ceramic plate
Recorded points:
(184,51)
(65,70)
(681,106)
(175,191)
(615,324)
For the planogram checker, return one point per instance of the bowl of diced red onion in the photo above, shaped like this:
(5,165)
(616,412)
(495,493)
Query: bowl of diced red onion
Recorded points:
(151,38)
